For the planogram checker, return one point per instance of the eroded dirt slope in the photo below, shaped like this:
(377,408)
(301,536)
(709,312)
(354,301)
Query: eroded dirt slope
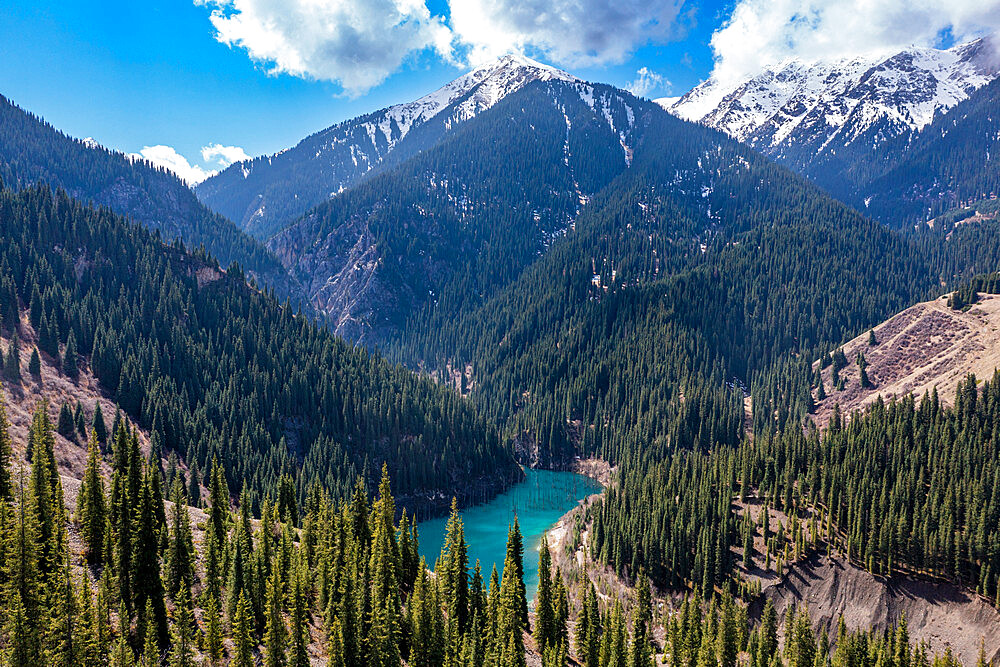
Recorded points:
(925,346)
(940,614)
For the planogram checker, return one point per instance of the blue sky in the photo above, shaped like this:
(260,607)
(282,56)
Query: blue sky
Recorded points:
(262,74)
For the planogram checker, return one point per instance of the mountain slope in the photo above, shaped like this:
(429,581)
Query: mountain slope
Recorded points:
(927,347)
(32,151)
(824,118)
(912,178)
(465,216)
(265,193)
(211,367)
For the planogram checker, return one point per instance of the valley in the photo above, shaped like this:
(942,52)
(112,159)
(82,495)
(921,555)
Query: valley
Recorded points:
(530,369)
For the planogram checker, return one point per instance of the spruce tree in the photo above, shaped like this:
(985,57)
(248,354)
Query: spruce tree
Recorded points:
(69,362)
(147,583)
(35,364)
(509,621)
(214,647)
(66,426)
(275,636)
(91,506)
(12,362)
(6,455)
(98,426)
(243,642)
(180,550)
(544,607)
(299,621)
(384,633)
(182,651)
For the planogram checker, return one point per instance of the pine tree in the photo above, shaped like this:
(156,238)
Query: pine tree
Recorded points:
(180,552)
(91,506)
(275,636)
(544,611)
(243,643)
(35,364)
(6,455)
(299,653)
(182,652)
(12,362)
(69,365)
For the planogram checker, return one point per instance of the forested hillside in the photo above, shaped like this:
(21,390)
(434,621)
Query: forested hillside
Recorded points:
(125,578)
(639,336)
(213,368)
(32,151)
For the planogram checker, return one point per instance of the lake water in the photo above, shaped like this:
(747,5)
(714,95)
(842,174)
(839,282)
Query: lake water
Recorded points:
(539,501)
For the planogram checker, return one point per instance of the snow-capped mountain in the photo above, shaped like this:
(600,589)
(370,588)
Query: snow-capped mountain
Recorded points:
(798,111)
(265,193)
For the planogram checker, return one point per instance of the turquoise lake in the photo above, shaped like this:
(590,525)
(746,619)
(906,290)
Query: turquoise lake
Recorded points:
(539,501)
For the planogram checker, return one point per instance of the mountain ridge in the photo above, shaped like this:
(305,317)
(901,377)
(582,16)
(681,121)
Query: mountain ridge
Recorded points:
(797,110)
(267,192)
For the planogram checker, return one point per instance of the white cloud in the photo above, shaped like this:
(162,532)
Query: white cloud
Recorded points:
(223,155)
(763,32)
(569,32)
(166,156)
(647,81)
(356,43)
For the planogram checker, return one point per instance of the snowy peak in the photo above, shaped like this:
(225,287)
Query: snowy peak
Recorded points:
(470,94)
(264,193)
(825,105)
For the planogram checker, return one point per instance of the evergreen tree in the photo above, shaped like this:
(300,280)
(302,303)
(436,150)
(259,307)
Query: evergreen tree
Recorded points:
(147,584)
(69,361)
(6,455)
(91,506)
(243,642)
(275,637)
(35,364)
(298,651)
(182,651)
(213,631)
(545,634)
(66,426)
(98,426)
(180,551)
(12,362)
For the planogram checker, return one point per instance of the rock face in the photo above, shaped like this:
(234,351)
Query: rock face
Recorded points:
(939,613)
(264,194)
(802,111)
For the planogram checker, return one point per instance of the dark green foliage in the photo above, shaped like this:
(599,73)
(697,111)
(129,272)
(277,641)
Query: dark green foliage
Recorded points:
(33,152)
(91,504)
(35,364)
(237,374)
(69,361)
(12,362)
(66,426)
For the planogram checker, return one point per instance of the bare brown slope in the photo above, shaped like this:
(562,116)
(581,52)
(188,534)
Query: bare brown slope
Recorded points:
(941,614)
(926,346)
